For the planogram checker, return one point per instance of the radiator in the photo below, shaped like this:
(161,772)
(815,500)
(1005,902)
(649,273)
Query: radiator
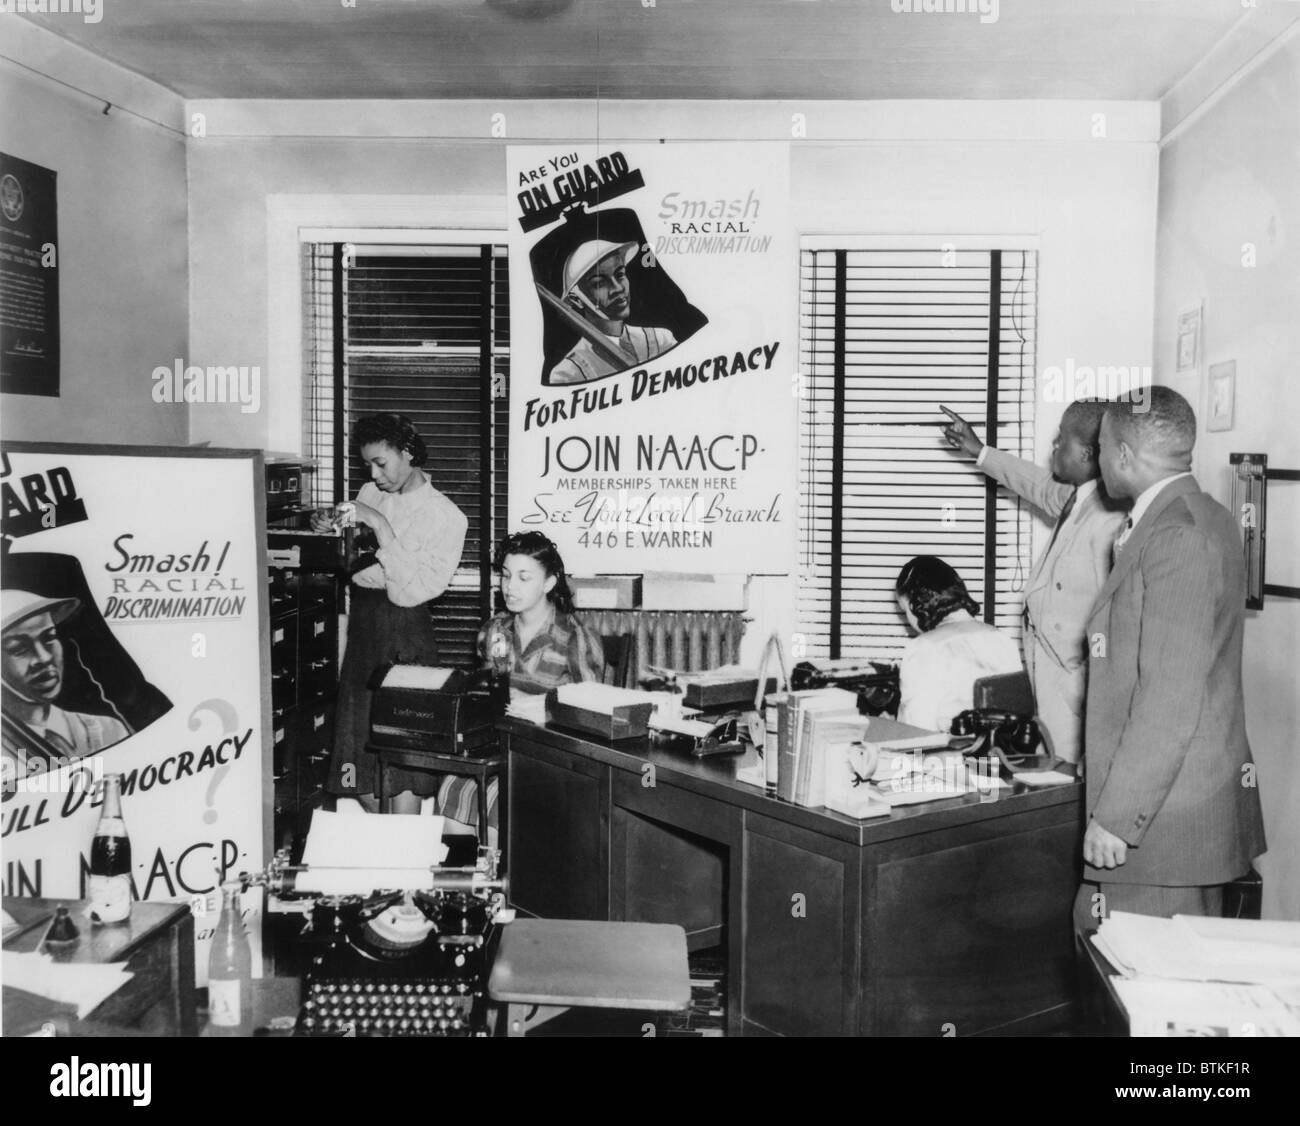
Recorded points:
(685,640)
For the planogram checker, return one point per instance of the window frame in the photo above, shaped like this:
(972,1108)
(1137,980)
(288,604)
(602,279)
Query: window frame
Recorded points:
(821,627)
(491,351)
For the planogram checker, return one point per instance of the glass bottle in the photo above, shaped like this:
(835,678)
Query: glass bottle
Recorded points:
(110,860)
(230,970)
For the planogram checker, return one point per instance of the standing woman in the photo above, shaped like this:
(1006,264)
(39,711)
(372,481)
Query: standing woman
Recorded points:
(420,534)
(539,640)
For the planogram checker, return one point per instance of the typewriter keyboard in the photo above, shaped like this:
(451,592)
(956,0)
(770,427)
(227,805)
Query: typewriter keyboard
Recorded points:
(395,1007)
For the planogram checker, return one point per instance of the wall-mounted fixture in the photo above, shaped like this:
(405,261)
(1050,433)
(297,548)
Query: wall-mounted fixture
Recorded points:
(1250,478)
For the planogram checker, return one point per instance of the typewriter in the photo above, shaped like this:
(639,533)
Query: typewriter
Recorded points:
(411,961)
(450,711)
(875,682)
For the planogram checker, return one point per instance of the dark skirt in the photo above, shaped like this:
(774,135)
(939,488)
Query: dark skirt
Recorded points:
(378,633)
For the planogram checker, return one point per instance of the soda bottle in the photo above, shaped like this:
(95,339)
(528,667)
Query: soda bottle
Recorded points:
(110,860)
(230,970)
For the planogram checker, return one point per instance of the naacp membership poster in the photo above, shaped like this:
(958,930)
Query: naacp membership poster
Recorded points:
(653,356)
(131,646)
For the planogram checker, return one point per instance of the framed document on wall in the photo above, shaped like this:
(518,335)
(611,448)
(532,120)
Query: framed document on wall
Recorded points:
(29,279)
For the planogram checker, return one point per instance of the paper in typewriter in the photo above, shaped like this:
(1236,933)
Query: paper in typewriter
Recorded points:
(348,854)
(416,676)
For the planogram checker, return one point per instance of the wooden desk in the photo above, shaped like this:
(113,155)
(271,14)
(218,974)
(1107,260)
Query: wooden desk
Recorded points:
(158,947)
(948,918)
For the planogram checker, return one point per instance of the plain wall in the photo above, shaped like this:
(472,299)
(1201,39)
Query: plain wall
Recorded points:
(123,270)
(933,169)
(1228,179)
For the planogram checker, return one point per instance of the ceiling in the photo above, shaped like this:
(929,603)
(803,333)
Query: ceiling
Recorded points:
(701,49)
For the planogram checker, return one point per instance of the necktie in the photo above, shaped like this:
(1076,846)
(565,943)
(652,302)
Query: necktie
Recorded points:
(1060,520)
(628,347)
(1120,540)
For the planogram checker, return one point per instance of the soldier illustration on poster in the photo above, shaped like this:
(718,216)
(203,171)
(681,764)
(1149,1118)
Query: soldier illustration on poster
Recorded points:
(70,689)
(607,303)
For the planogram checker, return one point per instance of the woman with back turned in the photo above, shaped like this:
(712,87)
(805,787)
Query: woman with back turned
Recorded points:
(539,640)
(952,649)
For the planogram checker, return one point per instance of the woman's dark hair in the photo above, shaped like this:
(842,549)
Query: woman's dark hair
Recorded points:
(537,546)
(395,430)
(933,591)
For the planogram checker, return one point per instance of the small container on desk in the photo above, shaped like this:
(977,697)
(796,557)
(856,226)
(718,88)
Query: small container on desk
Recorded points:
(706,695)
(622,721)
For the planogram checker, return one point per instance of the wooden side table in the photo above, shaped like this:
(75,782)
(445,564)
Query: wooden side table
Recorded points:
(158,947)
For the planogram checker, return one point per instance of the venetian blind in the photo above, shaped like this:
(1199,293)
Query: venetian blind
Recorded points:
(887,335)
(425,332)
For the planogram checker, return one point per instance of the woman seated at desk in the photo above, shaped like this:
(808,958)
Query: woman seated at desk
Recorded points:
(952,648)
(538,640)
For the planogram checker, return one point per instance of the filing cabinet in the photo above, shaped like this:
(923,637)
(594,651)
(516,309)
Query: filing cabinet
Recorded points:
(304,647)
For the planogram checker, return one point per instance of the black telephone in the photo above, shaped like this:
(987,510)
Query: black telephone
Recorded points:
(1016,736)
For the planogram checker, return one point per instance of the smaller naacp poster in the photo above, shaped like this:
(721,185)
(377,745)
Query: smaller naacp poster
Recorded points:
(29,279)
(653,356)
(131,646)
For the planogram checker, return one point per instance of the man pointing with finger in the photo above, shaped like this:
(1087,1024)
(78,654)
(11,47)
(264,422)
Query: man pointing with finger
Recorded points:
(1066,577)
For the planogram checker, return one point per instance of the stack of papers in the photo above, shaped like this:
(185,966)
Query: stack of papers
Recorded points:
(724,674)
(530,707)
(676,725)
(1199,976)
(1199,1008)
(1197,948)
(86,985)
(592,696)
(906,779)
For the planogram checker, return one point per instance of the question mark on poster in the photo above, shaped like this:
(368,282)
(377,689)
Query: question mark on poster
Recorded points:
(225,711)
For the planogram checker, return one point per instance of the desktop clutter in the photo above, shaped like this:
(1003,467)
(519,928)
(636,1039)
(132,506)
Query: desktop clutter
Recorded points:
(419,957)
(815,738)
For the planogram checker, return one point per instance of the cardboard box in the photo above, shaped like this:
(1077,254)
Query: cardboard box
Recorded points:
(693,592)
(606,592)
(626,721)
(723,693)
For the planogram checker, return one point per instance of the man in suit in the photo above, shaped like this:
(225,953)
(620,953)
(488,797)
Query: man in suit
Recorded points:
(1173,810)
(1067,576)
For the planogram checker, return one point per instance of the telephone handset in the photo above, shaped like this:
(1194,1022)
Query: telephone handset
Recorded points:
(1017,736)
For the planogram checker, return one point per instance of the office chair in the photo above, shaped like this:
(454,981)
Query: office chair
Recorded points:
(1011,692)
(618,658)
(1008,692)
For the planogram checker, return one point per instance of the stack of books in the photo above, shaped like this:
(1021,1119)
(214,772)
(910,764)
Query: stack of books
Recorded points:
(820,735)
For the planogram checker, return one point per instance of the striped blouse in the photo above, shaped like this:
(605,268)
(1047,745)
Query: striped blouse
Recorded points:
(564,651)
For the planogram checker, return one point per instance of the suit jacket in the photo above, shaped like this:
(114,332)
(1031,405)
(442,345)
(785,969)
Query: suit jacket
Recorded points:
(1166,733)
(1065,579)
